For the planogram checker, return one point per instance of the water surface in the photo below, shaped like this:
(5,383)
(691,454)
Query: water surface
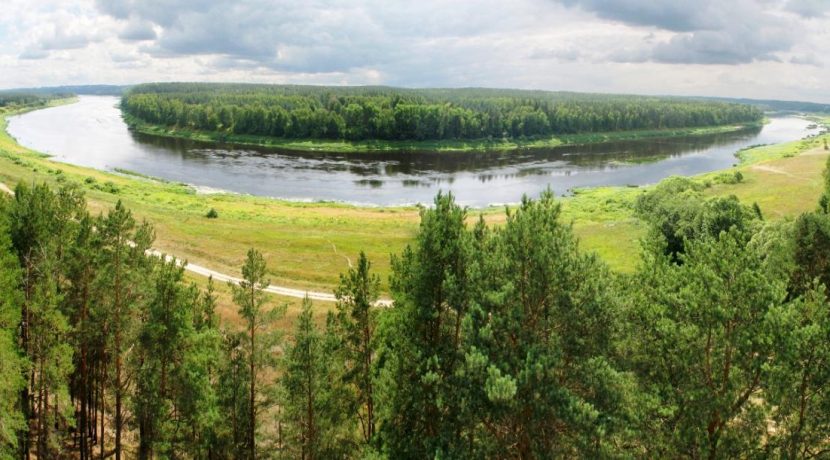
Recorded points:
(92,133)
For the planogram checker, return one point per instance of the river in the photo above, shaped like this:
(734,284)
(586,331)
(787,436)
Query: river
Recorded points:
(91,133)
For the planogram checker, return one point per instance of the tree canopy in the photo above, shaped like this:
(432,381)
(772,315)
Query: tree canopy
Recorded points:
(384,113)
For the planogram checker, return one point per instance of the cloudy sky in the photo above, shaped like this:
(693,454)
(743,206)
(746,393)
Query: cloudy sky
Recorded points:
(741,48)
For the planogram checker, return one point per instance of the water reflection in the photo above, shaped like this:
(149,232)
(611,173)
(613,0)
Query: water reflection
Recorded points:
(385,178)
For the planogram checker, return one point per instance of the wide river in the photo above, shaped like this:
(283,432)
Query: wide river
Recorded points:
(92,133)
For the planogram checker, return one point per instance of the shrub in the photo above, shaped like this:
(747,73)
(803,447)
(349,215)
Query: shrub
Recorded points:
(212,214)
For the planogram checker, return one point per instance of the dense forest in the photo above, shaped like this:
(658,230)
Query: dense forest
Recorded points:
(502,342)
(14,99)
(383,113)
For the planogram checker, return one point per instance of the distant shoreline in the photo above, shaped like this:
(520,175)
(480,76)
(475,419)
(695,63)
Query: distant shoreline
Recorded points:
(449,146)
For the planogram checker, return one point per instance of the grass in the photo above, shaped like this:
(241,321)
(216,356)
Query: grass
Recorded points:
(307,245)
(436,146)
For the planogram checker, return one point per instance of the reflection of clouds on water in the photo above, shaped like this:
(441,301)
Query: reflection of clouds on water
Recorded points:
(380,178)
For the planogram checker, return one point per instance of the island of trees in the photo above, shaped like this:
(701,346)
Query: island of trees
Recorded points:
(502,342)
(396,114)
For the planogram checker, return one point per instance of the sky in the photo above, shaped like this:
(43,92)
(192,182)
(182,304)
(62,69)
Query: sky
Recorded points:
(772,49)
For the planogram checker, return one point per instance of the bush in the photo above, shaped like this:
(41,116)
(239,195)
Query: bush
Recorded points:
(212,214)
(89,180)
(107,187)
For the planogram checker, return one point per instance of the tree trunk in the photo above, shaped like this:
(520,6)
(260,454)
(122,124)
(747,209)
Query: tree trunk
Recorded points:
(252,395)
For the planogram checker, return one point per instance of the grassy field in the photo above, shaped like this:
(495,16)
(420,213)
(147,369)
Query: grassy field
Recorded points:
(434,146)
(307,245)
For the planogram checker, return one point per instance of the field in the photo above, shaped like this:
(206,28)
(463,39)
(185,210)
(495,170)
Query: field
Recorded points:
(307,245)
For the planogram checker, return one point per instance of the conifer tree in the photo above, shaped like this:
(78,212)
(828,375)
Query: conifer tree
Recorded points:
(259,342)
(704,346)
(422,342)
(304,383)
(354,324)
(124,273)
(543,320)
(798,387)
(12,362)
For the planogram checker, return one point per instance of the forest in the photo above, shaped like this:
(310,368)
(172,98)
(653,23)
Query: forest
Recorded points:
(17,99)
(385,113)
(504,341)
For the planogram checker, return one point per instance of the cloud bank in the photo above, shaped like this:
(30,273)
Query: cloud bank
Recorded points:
(755,48)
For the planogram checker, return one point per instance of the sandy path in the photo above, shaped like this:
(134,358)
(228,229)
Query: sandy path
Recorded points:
(221,277)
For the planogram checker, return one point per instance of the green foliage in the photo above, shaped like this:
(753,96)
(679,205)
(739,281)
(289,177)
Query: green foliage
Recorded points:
(354,326)
(381,113)
(799,381)
(12,363)
(313,402)
(702,346)
(544,318)
(503,341)
(677,212)
(257,345)
(178,350)
(811,251)
(212,214)
(422,349)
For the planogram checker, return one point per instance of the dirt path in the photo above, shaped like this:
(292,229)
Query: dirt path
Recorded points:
(771,169)
(221,277)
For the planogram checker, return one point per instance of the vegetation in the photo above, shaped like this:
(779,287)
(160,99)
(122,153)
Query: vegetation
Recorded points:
(506,339)
(503,341)
(12,100)
(365,114)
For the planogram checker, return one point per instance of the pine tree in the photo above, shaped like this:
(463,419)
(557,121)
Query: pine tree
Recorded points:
(421,336)
(540,377)
(42,225)
(260,339)
(12,362)
(798,387)
(354,326)
(702,346)
(304,383)
(125,269)
(80,298)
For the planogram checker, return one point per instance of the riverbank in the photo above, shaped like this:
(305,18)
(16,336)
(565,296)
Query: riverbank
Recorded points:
(307,245)
(483,145)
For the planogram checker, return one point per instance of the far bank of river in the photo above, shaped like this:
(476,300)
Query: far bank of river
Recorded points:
(93,133)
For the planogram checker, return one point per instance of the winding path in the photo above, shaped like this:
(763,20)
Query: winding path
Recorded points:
(273,289)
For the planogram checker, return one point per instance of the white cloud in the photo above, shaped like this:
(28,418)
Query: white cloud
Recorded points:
(754,48)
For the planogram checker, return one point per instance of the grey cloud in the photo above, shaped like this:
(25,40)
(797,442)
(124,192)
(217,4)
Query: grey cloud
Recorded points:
(678,16)
(64,41)
(704,31)
(311,36)
(137,30)
(739,45)
(806,59)
(809,8)
(34,54)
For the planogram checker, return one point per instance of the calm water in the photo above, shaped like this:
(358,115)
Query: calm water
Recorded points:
(91,133)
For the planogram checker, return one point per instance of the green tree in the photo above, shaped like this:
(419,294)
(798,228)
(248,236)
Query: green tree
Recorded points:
(421,335)
(310,407)
(355,324)
(12,362)
(260,339)
(702,345)
(544,319)
(125,270)
(798,386)
(811,251)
